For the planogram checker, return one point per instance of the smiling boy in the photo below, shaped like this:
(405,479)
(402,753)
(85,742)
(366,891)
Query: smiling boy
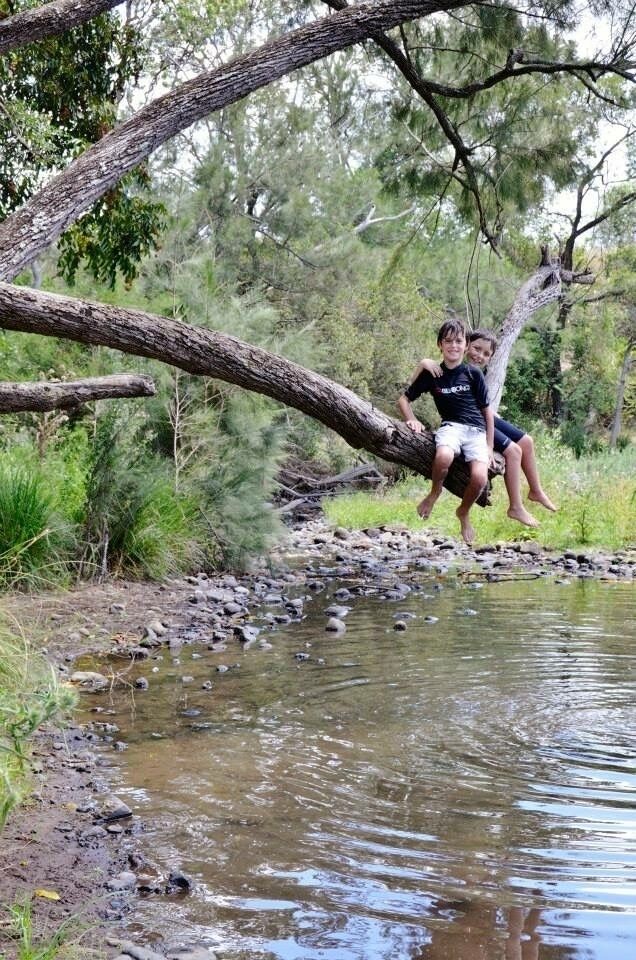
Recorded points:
(514,444)
(461,398)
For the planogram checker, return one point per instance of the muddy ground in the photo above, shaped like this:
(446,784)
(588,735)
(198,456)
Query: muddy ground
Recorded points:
(47,845)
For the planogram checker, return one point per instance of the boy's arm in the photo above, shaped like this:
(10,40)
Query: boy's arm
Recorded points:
(431,366)
(407,414)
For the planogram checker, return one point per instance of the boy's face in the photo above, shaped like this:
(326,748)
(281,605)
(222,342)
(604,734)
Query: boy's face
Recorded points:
(452,348)
(479,352)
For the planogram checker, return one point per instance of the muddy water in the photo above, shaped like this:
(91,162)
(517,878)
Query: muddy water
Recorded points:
(464,790)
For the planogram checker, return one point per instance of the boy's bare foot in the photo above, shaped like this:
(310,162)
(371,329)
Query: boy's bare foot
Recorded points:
(522,515)
(426,505)
(468,532)
(543,499)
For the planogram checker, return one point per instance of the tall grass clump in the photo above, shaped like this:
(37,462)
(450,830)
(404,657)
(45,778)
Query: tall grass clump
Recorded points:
(31,536)
(596,496)
(135,524)
(30,695)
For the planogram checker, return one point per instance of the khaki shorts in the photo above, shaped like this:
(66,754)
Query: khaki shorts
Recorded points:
(463,438)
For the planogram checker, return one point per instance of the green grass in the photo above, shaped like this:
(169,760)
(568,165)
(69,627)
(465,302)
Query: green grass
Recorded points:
(596,498)
(36,941)
(29,697)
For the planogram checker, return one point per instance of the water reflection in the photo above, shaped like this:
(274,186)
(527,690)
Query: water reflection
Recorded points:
(466,789)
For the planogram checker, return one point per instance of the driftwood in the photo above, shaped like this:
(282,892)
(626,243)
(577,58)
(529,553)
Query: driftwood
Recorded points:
(308,492)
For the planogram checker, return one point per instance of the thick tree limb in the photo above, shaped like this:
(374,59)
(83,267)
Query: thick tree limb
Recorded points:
(211,354)
(40,396)
(49,21)
(45,216)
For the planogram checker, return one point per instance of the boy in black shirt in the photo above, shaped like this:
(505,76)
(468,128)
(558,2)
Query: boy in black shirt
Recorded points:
(461,399)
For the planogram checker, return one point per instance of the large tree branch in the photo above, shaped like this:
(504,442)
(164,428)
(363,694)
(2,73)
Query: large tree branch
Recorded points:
(49,21)
(46,215)
(211,354)
(41,396)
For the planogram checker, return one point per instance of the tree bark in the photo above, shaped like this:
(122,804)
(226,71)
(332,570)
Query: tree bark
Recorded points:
(626,365)
(40,396)
(49,21)
(543,287)
(211,354)
(45,216)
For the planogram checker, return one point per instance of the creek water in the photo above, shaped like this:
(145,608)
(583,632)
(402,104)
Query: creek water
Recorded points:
(464,789)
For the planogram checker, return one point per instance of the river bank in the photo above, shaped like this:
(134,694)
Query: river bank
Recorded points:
(73,840)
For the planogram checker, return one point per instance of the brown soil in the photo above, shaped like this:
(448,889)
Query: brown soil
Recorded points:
(41,846)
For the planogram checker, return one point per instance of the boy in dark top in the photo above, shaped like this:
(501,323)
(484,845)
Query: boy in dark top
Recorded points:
(514,444)
(461,399)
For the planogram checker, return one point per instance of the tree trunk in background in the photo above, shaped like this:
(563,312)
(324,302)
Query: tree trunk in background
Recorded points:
(219,355)
(543,287)
(626,365)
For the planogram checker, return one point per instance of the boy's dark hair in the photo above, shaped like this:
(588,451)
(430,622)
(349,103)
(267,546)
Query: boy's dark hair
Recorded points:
(486,335)
(451,328)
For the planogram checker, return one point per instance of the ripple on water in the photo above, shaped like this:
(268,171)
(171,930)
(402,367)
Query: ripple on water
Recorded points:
(438,792)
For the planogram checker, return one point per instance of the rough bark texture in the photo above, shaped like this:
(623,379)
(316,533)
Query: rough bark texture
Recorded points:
(219,355)
(49,21)
(43,218)
(543,287)
(18,397)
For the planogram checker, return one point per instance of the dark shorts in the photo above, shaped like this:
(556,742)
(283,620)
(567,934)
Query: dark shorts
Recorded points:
(505,433)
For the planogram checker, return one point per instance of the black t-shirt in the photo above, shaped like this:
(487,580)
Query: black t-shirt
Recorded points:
(459,394)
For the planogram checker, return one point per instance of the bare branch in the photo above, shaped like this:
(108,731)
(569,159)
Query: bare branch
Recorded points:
(41,396)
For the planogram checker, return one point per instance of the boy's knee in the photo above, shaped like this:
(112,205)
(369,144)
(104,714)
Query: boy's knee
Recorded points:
(479,472)
(512,452)
(526,442)
(444,456)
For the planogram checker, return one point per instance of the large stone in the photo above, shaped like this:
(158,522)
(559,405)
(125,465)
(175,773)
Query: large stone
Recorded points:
(90,679)
(114,809)
(129,949)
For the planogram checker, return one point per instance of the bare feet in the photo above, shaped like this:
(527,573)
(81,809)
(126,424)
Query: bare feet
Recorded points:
(522,515)
(426,505)
(540,497)
(468,532)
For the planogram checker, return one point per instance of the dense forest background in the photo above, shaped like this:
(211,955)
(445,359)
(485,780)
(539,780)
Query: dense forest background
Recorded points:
(327,218)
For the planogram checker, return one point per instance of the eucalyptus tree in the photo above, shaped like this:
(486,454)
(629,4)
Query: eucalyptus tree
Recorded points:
(62,200)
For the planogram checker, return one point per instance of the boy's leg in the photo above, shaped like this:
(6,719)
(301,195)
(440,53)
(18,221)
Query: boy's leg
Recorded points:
(444,456)
(478,480)
(512,479)
(529,467)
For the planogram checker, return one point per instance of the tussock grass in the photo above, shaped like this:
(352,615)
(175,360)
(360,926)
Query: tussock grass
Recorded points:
(596,496)
(30,539)
(30,695)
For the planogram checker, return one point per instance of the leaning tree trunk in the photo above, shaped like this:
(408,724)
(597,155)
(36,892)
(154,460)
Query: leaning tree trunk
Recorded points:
(620,395)
(219,355)
(59,203)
